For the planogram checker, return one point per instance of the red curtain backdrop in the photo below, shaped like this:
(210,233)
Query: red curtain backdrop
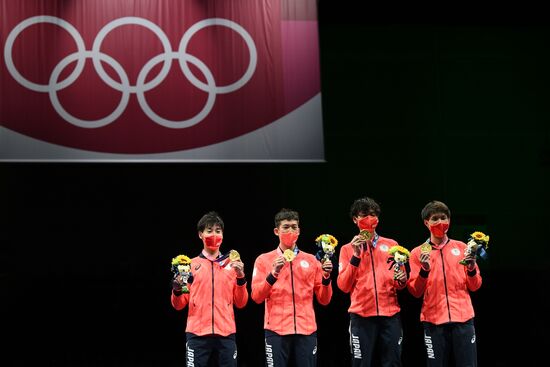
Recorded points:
(139,78)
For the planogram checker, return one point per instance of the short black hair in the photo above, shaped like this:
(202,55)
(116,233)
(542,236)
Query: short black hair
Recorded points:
(210,219)
(286,214)
(434,207)
(364,205)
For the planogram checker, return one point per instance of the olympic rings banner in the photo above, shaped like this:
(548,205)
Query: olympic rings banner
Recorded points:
(149,80)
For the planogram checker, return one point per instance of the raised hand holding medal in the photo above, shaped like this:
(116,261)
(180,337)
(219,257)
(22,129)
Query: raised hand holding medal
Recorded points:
(425,251)
(289,255)
(234,255)
(365,234)
(367,226)
(236,263)
(426,248)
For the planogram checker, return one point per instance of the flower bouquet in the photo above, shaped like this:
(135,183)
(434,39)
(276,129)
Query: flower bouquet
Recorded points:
(399,256)
(181,265)
(477,244)
(326,244)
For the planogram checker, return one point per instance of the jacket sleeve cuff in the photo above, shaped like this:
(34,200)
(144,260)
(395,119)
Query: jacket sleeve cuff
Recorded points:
(399,284)
(241,281)
(325,281)
(355,261)
(271,279)
(472,273)
(423,273)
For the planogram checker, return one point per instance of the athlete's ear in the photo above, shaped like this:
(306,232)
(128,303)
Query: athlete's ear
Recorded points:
(276,231)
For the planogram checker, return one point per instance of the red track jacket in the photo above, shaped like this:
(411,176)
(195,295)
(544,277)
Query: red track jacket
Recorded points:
(446,287)
(289,297)
(212,294)
(368,279)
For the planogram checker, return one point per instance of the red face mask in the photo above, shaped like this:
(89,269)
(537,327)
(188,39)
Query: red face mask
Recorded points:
(439,229)
(212,242)
(368,223)
(288,238)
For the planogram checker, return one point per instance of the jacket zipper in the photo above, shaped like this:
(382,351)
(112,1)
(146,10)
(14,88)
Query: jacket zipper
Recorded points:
(374,279)
(293,300)
(212,297)
(445,283)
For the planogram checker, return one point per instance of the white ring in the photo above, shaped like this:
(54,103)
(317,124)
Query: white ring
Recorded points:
(124,85)
(8,48)
(237,28)
(137,21)
(95,123)
(177,124)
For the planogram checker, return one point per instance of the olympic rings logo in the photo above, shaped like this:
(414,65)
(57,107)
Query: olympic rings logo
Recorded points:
(54,85)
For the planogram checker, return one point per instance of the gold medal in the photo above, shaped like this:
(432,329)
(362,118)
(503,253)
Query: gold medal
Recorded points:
(365,234)
(426,248)
(234,255)
(289,255)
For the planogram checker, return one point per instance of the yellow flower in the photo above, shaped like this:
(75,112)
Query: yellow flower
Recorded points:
(328,239)
(480,236)
(181,260)
(399,249)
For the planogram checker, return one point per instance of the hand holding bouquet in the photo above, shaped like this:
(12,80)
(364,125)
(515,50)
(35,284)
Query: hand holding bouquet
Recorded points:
(476,246)
(236,263)
(181,270)
(399,256)
(326,244)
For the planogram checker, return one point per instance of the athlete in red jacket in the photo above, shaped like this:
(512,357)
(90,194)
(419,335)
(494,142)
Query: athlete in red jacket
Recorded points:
(447,313)
(217,284)
(364,273)
(287,288)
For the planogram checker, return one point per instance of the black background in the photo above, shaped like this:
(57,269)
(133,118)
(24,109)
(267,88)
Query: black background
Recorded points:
(418,104)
